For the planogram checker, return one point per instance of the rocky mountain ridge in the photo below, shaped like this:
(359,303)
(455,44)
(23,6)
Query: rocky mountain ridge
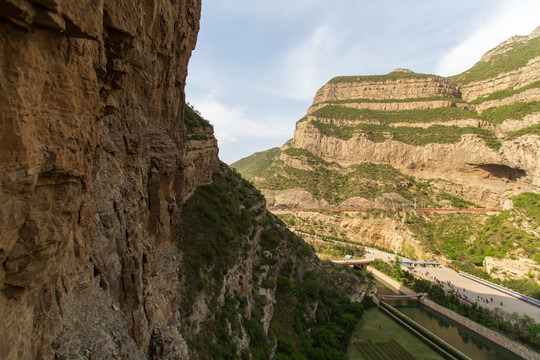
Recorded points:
(485,141)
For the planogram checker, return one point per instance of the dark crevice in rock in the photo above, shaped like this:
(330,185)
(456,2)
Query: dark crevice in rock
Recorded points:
(503,172)
(12,292)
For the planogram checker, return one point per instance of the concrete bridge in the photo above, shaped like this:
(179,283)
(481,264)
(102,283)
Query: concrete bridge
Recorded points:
(408,297)
(357,263)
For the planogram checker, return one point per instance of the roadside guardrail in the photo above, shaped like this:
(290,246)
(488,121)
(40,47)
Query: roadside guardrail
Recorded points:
(501,288)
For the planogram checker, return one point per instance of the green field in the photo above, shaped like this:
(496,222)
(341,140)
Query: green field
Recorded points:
(376,328)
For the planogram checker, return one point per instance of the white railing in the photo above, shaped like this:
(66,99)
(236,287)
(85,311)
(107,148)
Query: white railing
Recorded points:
(501,288)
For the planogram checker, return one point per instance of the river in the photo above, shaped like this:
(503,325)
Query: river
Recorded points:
(465,340)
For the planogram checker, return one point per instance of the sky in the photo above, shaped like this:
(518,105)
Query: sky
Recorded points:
(258,63)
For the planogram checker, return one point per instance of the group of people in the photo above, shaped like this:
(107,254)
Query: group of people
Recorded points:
(461,294)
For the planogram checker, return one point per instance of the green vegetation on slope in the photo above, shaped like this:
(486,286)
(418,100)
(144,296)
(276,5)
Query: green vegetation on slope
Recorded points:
(366,180)
(193,118)
(334,184)
(394,75)
(534,129)
(493,236)
(506,93)
(497,115)
(410,116)
(213,228)
(513,59)
(528,204)
(385,101)
(327,335)
(468,238)
(308,157)
(217,228)
(252,165)
(409,135)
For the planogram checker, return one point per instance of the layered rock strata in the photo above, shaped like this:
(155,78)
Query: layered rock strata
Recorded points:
(94,168)
(406,88)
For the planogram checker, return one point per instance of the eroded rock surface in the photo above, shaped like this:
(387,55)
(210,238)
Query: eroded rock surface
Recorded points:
(94,166)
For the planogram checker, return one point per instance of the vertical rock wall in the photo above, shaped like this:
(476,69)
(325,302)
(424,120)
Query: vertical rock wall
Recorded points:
(93,169)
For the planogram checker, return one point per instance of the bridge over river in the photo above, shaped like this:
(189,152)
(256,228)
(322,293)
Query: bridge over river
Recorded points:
(404,297)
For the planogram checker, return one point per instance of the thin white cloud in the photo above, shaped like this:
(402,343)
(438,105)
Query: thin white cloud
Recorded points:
(514,17)
(307,66)
(231,124)
(270,9)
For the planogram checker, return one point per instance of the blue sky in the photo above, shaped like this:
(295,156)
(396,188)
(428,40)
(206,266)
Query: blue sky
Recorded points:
(258,63)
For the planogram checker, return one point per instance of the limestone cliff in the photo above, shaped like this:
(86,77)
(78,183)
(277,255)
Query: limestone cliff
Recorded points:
(477,130)
(95,166)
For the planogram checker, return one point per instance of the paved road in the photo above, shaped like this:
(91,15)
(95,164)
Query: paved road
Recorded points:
(474,290)
(468,287)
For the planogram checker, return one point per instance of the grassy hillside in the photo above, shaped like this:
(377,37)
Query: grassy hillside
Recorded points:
(517,55)
(438,134)
(403,116)
(506,93)
(335,184)
(386,101)
(254,164)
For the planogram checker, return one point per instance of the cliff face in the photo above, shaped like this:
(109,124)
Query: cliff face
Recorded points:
(94,166)
(476,129)
(351,87)
(506,78)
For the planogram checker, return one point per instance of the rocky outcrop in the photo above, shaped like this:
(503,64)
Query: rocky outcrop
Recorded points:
(292,198)
(387,89)
(514,79)
(510,268)
(510,80)
(95,167)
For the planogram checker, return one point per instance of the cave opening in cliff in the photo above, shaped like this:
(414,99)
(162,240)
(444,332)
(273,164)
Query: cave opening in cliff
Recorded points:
(502,172)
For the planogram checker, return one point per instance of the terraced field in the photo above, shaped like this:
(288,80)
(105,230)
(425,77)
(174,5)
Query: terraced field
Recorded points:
(379,337)
(383,350)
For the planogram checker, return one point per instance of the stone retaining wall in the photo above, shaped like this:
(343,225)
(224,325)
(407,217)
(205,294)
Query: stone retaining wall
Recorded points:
(497,338)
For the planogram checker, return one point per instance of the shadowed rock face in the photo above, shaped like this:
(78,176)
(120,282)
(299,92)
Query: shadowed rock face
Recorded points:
(94,165)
